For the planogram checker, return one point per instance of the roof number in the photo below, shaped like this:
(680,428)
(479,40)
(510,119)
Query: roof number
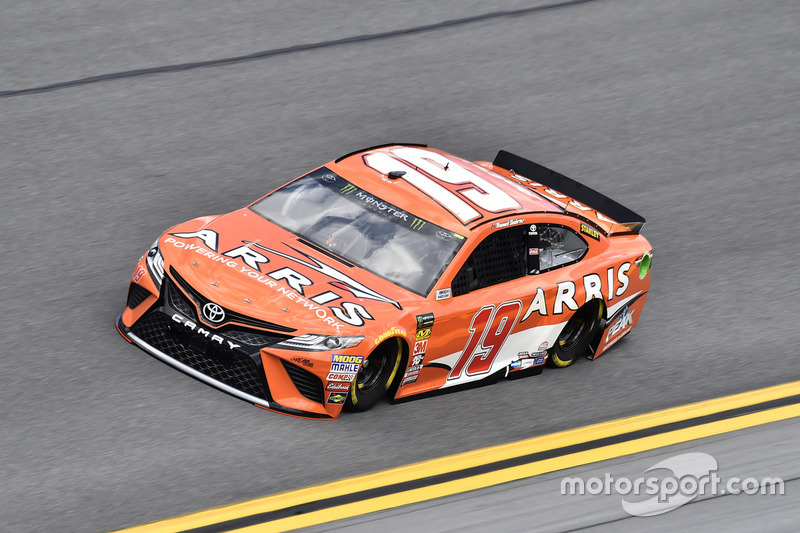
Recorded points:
(427,171)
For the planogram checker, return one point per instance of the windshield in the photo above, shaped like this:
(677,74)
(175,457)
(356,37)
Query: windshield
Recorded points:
(368,231)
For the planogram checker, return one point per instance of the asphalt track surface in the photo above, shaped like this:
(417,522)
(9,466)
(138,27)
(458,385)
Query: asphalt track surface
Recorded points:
(538,503)
(685,111)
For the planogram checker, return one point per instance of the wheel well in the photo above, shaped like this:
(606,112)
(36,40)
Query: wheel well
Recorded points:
(401,344)
(602,325)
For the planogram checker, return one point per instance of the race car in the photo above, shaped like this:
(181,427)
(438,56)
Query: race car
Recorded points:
(394,271)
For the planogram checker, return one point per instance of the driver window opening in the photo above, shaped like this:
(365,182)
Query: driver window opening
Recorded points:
(499,258)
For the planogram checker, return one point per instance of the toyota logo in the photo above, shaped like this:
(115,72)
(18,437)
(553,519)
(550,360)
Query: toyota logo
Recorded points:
(213,312)
(444,235)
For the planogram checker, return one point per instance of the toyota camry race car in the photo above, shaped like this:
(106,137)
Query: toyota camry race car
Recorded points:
(395,270)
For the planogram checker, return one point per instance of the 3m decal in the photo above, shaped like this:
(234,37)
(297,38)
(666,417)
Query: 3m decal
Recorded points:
(590,231)
(420,347)
(489,329)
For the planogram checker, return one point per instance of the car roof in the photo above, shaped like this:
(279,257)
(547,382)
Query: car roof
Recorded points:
(486,192)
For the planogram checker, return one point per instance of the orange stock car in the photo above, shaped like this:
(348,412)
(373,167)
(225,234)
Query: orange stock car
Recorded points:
(396,269)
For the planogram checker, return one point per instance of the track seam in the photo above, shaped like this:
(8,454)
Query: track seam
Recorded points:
(179,67)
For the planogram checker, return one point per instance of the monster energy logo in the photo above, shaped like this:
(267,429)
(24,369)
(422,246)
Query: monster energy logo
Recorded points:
(417,224)
(347,189)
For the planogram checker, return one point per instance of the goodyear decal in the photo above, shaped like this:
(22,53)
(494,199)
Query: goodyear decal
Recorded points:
(394,332)
(590,231)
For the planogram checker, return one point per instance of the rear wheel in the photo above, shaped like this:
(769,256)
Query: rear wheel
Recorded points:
(375,377)
(576,335)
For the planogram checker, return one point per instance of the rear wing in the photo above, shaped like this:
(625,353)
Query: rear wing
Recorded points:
(606,208)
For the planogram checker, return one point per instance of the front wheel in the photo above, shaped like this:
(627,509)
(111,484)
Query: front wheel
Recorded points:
(375,376)
(576,335)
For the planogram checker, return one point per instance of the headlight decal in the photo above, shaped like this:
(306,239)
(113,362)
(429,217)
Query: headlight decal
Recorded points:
(155,264)
(319,343)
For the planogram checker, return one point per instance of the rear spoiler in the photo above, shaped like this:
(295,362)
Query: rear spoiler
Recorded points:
(631,221)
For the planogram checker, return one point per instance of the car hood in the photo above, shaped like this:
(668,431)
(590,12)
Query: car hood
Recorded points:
(255,268)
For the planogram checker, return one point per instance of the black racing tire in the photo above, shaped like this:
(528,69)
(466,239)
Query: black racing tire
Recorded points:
(577,335)
(375,376)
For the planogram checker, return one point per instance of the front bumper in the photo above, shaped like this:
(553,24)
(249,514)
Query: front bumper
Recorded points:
(212,359)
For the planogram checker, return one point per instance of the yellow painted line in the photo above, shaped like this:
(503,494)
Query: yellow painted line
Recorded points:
(493,454)
(523,471)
